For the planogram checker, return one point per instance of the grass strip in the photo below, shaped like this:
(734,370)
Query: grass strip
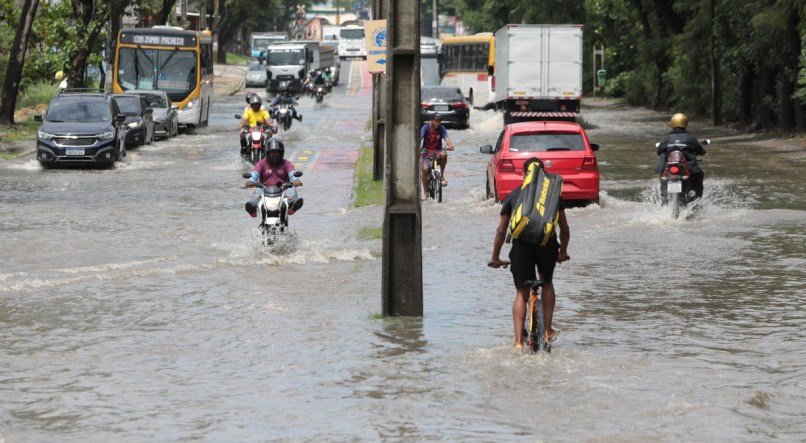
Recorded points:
(370,233)
(236,59)
(367,192)
(20,131)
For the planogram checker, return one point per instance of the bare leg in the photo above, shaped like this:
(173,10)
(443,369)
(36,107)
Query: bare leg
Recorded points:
(443,161)
(519,313)
(424,178)
(548,305)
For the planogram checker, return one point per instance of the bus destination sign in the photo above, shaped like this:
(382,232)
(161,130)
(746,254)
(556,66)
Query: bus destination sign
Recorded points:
(157,40)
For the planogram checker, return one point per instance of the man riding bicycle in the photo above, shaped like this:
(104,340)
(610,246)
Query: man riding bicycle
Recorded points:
(431,136)
(525,257)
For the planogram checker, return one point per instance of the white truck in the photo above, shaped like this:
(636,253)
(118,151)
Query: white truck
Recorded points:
(538,72)
(351,43)
(292,61)
(259,41)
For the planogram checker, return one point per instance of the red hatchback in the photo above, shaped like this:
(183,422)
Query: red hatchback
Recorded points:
(564,149)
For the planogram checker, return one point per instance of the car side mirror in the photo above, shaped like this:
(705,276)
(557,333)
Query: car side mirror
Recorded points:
(595,146)
(120,118)
(247,175)
(296,98)
(37,118)
(486,149)
(238,117)
(706,142)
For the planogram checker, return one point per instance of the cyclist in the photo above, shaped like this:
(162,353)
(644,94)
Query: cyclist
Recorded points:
(525,257)
(431,136)
(254,115)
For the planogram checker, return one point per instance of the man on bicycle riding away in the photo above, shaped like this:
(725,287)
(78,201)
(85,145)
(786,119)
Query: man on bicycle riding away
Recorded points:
(525,257)
(431,136)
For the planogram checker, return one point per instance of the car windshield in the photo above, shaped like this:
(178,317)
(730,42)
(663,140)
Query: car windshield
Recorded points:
(351,34)
(255,67)
(76,111)
(441,94)
(154,101)
(281,57)
(169,70)
(128,105)
(546,141)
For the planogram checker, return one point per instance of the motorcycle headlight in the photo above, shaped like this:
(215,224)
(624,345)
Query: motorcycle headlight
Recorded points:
(192,103)
(135,124)
(44,135)
(109,135)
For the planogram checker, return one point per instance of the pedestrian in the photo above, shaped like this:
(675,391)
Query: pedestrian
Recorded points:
(525,257)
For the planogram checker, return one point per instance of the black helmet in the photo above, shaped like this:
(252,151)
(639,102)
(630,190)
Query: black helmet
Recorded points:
(312,73)
(437,116)
(275,145)
(327,71)
(249,96)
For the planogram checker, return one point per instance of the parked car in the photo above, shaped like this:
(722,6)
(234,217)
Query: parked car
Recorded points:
(139,119)
(448,101)
(256,75)
(564,149)
(428,49)
(81,127)
(166,118)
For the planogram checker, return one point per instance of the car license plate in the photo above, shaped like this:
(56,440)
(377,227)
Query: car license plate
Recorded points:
(74,152)
(440,108)
(674,187)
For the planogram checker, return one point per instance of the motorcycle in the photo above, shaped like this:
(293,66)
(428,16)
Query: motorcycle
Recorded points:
(319,94)
(274,204)
(328,87)
(256,138)
(675,176)
(284,115)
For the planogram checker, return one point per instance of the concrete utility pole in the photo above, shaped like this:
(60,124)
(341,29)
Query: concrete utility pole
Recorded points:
(435,22)
(380,11)
(402,225)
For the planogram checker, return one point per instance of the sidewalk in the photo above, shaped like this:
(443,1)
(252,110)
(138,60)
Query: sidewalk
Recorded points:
(228,79)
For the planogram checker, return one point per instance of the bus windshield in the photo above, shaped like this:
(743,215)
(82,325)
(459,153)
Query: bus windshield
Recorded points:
(284,57)
(169,70)
(352,34)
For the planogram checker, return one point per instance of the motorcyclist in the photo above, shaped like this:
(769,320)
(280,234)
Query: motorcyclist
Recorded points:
(284,98)
(431,136)
(254,115)
(680,139)
(319,79)
(307,84)
(274,170)
(328,77)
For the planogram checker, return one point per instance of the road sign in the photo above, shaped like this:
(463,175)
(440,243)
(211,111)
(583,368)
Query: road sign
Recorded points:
(375,36)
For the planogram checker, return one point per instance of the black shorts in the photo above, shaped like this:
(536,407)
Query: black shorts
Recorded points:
(524,257)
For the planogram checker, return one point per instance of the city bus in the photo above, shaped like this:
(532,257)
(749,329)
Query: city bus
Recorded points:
(169,59)
(467,62)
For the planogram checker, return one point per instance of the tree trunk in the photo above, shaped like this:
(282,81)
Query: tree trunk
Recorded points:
(746,96)
(716,76)
(164,12)
(16,60)
(789,74)
(766,97)
(221,57)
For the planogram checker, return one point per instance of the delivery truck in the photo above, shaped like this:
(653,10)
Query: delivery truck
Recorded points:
(538,72)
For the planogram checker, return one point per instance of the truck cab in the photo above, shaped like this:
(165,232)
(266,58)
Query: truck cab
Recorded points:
(289,62)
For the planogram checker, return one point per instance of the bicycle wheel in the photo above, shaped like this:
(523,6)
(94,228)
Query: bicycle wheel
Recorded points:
(539,344)
(439,189)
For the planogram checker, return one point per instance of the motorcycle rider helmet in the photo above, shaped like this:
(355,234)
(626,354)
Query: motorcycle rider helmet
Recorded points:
(255,102)
(249,96)
(312,74)
(283,89)
(679,121)
(275,146)
(327,71)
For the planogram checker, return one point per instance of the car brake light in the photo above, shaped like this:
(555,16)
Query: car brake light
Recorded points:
(424,105)
(506,166)
(460,105)
(589,164)
(674,169)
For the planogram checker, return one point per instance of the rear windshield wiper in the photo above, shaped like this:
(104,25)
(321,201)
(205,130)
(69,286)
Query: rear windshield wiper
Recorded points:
(558,149)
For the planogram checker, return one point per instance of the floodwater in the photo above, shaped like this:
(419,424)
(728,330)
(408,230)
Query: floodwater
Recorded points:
(138,303)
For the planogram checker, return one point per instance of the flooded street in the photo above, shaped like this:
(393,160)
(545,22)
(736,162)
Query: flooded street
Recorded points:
(138,304)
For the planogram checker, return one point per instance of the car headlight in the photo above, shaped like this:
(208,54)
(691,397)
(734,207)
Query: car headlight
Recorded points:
(192,103)
(108,135)
(135,124)
(44,135)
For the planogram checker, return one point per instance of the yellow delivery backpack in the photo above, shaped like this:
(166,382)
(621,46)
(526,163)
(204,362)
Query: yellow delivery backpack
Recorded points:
(537,209)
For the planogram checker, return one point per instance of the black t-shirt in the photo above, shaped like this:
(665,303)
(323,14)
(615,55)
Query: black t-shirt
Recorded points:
(509,202)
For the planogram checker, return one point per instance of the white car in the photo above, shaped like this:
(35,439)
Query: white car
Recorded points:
(256,75)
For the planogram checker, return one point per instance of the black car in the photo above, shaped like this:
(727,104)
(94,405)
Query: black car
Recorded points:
(166,118)
(447,101)
(139,119)
(81,127)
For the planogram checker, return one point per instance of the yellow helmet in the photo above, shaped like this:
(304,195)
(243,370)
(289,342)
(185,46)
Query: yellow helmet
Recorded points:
(679,121)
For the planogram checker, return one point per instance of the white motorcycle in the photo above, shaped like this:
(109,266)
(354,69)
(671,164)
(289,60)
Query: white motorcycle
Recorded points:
(276,204)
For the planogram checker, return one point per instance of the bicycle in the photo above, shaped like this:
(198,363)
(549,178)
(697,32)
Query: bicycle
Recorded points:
(434,177)
(534,326)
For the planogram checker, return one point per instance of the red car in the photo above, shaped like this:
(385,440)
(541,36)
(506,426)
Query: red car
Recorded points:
(564,149)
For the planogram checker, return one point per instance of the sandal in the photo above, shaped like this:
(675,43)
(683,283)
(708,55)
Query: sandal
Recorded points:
(554,333)
(444,182)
